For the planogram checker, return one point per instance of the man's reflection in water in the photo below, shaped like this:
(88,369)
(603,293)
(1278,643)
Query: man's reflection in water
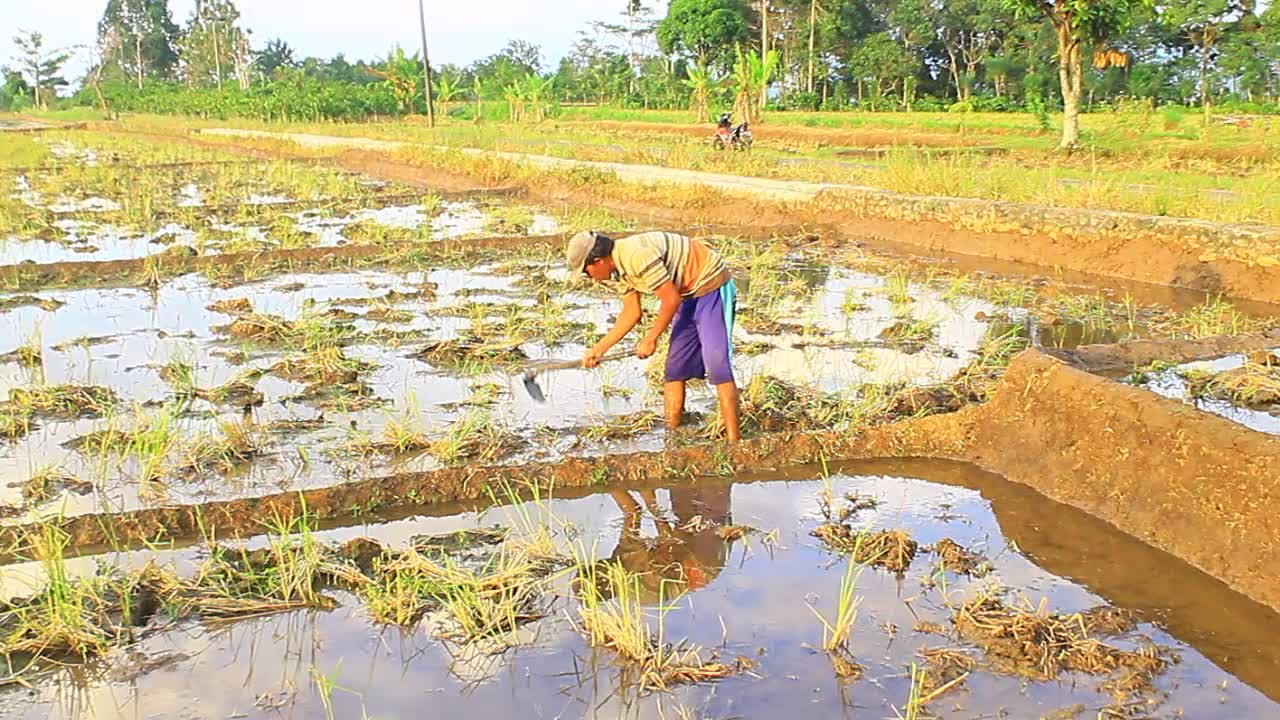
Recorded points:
(688,552)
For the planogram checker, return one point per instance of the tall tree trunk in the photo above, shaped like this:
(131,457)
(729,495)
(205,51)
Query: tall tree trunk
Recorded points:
(955,73)
(137,57)
(813,28)
(1206,45)
(217,57)
(1070,76)
(764,48)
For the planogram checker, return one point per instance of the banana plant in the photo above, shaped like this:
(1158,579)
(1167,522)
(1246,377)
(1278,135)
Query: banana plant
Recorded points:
(402,75)
(751,76)
(448,88)
(538,91)
(699,82)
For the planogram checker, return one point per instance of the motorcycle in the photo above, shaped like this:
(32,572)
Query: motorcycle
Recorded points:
(730,136)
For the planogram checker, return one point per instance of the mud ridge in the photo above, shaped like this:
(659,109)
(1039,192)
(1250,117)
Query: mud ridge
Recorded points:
(104,273)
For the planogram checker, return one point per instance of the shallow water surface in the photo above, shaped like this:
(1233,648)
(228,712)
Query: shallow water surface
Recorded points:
(749,597)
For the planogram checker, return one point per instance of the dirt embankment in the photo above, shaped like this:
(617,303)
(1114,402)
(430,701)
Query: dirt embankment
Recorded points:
(1193,484)
(1236,260)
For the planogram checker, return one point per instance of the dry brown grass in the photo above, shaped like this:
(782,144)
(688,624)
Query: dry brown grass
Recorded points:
(891,549)
(1038,644)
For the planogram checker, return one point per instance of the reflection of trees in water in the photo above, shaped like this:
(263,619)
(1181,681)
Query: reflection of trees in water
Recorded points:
(687,548)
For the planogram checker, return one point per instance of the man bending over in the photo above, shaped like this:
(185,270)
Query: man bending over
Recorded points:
(697,299)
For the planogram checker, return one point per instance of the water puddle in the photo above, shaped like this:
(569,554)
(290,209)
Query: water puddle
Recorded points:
(1174,382)
(750,598)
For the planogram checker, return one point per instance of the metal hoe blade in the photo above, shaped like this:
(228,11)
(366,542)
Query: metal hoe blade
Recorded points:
(531,387)
(531,374)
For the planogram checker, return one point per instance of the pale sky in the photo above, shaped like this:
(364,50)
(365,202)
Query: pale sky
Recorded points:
(458,31)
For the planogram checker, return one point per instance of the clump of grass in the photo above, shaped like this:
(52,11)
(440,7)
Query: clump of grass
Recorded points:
(910,336)
(388,314)
(180,374)
(326,365)
(1142,375)
(400,436)
(944,669)
(474,436)
(891,549)
(13,422)
(64,402)
(240,390)
(1038,644)
(837,629)
(235,443)
(312,331)
(770,404)
(897,287)
(369,232)
(1251,385)
(620,427)
(1214,317)
(618,621)
(16,301)
(484,600)
(47,481)
(232,582)
(508,219)
(68,617)
(30,354)
(470,354)
(233,306)
(958,559)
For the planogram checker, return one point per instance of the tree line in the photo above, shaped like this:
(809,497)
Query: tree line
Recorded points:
(746,55)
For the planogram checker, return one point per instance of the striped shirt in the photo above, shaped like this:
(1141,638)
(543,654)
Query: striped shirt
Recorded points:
(647,260)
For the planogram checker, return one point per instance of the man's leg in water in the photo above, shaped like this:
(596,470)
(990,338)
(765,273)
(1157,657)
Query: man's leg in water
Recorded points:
(684,361)
(714,330)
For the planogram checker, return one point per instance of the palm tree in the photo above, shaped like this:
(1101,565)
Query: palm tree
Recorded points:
(699,81)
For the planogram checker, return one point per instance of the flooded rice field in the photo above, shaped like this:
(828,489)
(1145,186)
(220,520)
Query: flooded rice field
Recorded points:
(84,209)
(989,613)
(904,589)
(193,391)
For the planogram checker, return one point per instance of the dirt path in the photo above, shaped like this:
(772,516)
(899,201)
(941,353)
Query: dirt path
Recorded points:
(733,185)
(1235,260)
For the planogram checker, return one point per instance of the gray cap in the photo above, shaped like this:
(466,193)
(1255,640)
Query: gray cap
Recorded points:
(580,246)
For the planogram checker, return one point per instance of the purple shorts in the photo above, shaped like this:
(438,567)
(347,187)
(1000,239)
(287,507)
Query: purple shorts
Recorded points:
(701,338)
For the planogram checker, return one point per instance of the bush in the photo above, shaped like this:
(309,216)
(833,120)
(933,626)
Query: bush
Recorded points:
(928,103)
(804,101)
(834,103)
(308,100)
(989,103)
(964,106)
(1245,107)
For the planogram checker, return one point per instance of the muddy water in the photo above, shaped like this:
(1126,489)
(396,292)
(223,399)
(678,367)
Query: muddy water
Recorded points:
(122,338)
(1171,384)
(752,599)
(78,231)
